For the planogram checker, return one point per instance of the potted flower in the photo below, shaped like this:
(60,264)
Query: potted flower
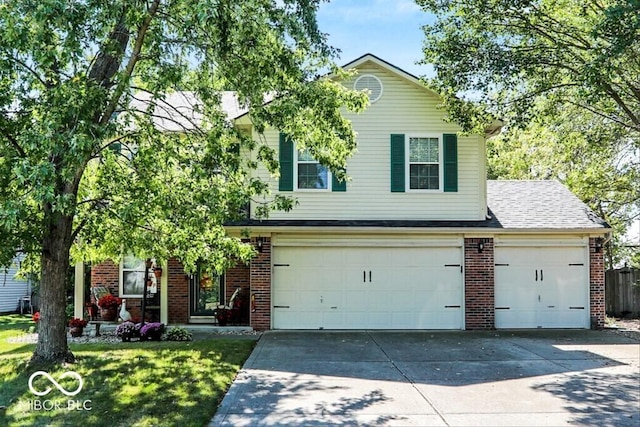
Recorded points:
(76,326)
(109,307)
(223,315)
(152,331)
(128,330)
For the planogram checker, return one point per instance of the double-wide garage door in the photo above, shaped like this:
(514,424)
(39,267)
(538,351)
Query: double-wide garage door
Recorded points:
(541,287)
(367,288)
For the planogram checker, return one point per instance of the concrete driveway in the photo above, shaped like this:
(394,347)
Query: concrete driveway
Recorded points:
(505,378)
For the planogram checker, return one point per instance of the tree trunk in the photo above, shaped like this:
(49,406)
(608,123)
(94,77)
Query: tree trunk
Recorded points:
(54,262)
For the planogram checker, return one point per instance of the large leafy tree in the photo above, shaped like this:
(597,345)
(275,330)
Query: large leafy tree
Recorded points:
(564,77)
(93,161)
(594,159)
(507,54)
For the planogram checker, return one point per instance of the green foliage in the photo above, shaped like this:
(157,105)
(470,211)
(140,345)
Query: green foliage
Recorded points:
(70,90)
(177,333)
(68,311)
(507,54)
(563,76)
(596,161)
(92,164)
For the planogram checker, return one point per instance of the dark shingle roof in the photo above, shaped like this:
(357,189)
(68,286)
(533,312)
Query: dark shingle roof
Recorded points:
(538,205)
(513,205)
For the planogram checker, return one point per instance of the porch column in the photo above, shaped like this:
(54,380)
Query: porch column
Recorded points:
(164,298)
(78,291)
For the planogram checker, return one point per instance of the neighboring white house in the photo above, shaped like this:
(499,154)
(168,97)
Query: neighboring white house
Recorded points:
(12,288)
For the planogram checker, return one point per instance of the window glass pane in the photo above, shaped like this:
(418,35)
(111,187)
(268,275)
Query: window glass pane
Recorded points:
(423,150)
(424,177)
(312,175)
(305,156)
(132,282)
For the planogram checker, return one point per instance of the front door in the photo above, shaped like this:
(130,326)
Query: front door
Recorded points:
(205,293)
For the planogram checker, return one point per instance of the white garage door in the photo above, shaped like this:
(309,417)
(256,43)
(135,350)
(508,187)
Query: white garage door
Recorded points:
(367,288)
(541,287)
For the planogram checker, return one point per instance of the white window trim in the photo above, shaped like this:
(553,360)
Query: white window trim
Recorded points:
(407,164)
(295,176)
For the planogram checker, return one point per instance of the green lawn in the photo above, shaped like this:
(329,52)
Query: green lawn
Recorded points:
(125,384)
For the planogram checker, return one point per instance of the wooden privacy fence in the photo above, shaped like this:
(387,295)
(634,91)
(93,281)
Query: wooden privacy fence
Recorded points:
(622,289)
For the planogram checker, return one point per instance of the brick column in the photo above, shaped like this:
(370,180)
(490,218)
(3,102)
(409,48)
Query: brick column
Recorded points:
(479,295)
(596,285)
(177,292)
(260,277)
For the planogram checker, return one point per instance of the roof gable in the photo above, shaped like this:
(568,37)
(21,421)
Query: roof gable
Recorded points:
(369,58)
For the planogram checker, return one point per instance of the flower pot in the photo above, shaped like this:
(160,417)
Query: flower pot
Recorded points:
(109,314)
(76,331)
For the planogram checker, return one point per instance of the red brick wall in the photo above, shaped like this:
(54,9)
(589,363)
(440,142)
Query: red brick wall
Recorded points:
(106,274)
(479,294)
(596,285)
(260,277)
(177,292)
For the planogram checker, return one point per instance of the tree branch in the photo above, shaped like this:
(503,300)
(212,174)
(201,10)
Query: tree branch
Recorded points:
(14,143)
(133,60)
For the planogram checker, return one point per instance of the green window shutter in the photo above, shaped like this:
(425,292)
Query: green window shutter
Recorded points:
(337,185)
(397,163)
(450,154)
(286,163)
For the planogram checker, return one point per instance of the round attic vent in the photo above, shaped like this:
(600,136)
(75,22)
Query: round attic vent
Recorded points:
(372,84)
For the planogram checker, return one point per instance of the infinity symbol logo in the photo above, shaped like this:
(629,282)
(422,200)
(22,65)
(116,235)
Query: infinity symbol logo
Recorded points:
(55,383)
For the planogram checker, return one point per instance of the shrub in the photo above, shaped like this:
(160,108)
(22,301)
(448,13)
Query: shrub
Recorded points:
(179,334)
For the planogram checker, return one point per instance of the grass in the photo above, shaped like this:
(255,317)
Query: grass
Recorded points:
(125,384)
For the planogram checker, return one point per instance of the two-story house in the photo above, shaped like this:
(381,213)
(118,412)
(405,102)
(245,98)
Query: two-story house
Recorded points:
(416,239)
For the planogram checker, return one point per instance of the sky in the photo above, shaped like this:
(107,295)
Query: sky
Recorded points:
(389,29)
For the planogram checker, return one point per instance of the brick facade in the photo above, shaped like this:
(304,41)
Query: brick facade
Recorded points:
(260,277)
(177,293)
(255,281)
(479,295)
(107,274)
(596,285)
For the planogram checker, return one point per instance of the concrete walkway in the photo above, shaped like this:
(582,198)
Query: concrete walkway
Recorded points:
(542,378)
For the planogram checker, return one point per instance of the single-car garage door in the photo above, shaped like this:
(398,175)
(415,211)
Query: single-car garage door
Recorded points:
(367,288)
(541,287)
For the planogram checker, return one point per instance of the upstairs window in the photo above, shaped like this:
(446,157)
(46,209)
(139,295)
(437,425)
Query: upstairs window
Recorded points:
(311,174)
(424,163)
(300,171)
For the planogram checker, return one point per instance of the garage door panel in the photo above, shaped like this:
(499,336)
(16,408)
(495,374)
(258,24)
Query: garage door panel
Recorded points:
(370,288)
(541,287)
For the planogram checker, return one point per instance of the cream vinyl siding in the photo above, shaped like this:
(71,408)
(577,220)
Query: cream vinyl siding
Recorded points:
(404,108)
